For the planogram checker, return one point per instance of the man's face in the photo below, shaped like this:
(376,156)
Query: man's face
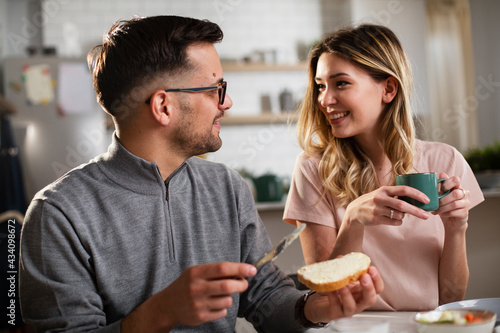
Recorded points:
(200,112)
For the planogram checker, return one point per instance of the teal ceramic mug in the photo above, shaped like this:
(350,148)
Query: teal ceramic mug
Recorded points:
(428,183)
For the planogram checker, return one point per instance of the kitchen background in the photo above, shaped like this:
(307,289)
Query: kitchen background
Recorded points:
(263,53)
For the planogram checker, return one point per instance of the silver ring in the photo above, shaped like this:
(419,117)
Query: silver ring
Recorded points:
(392,213)
(463,193)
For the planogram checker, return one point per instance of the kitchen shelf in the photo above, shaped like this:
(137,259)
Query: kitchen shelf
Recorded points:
(270,206)
(491,192)
(261,119)
(262,67)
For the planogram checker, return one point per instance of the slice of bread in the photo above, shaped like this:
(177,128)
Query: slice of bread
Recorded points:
(335,273)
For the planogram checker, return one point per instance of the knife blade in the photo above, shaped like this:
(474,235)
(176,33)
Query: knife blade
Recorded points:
(283,244)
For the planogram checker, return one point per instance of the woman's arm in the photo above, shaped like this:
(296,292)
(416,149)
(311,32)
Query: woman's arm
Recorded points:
(350,237)
(317,242)
(453,268)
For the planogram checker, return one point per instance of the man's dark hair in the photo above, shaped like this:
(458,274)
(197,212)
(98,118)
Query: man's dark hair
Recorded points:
(137,50)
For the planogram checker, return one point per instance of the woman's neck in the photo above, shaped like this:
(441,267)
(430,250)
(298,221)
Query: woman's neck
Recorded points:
(374,150)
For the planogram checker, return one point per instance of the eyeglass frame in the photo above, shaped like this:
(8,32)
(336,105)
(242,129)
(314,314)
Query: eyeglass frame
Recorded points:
(221,89)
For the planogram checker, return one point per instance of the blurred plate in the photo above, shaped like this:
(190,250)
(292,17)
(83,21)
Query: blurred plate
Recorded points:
(428,322)
(490,304)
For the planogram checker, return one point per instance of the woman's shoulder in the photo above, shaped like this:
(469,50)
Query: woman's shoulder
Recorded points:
(433,148)
(306,161)
(432,153)
(434,145)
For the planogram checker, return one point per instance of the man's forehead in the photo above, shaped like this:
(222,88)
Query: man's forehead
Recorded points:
(205,61)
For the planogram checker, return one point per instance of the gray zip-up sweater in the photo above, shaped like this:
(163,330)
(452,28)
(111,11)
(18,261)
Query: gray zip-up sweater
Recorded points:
(108,235)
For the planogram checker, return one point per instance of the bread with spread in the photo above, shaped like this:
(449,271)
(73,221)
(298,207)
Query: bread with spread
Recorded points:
(334,274)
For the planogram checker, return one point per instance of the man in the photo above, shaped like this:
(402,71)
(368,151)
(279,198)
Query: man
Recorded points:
(148,238)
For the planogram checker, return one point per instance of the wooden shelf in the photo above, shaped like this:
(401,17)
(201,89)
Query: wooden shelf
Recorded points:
(491,192)
(270,206)
(261,119)
(263,67)
(265,118)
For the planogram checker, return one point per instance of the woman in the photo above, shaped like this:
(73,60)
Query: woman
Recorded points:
(357,133)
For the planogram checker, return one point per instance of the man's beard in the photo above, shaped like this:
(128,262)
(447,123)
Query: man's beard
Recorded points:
(190,142)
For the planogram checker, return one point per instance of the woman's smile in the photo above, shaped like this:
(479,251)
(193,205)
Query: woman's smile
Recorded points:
(338,116)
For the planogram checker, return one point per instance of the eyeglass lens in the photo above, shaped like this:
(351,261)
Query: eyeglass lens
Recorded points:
(222,92)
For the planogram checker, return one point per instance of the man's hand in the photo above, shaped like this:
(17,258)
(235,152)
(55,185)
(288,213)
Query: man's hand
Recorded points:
(345,302)
(201,294)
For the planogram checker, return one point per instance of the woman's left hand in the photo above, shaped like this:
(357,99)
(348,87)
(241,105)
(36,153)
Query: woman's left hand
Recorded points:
(454,207)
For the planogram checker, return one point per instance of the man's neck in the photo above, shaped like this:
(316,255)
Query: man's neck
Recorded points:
(152,150)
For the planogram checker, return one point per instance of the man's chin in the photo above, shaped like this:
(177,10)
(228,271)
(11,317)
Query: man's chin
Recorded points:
(211,147)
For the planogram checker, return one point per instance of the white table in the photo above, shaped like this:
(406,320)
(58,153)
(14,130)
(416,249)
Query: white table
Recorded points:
(400,322)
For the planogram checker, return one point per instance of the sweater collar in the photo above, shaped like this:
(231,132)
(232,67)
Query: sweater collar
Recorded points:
(131,171)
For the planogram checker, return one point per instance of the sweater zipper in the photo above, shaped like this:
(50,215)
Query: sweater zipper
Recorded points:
(167,181)
(166,190)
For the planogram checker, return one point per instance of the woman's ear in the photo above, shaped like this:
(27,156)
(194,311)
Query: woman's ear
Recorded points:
(160,108)
(390,89)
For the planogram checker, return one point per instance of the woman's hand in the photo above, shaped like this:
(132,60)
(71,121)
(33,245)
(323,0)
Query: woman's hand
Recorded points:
(379,207)
(454,207)
(383,207)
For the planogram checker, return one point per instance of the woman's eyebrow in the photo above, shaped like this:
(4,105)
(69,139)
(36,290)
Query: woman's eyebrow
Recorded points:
(333,76)
(338,74)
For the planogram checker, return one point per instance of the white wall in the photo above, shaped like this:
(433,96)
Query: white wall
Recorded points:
(248,25)
(407,18)
(3,13)
(74,27)
(486,40)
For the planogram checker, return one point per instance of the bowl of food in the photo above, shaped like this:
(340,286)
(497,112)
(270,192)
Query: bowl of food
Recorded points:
(490,304)
(459,321)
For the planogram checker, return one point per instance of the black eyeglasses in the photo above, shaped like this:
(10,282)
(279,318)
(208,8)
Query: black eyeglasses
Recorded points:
(221,89)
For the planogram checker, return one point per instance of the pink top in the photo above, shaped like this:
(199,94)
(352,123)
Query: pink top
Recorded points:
(407,256)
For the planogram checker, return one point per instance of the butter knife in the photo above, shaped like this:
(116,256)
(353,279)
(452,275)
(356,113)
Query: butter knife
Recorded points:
(283,244)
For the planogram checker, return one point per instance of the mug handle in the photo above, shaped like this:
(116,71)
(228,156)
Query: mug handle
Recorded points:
(445,193)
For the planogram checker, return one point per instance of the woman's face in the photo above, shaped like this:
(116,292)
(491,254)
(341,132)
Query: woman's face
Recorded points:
(352,100)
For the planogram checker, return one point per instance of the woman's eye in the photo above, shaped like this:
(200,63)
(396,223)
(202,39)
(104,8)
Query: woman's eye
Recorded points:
(341,84)
(320,87)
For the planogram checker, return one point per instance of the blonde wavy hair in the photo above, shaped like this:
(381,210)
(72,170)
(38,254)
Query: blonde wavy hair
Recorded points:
(345,169)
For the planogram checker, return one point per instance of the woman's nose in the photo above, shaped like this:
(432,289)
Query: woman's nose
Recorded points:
(327,99)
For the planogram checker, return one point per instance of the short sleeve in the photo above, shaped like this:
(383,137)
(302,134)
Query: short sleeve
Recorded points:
(306,199)
(467,179)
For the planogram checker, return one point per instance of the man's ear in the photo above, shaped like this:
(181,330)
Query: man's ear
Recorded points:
(160,107)
(390,89)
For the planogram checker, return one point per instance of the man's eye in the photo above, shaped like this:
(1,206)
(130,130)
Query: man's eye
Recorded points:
(213,93)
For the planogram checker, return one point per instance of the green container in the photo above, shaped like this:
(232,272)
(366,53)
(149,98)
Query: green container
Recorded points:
(269,188)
